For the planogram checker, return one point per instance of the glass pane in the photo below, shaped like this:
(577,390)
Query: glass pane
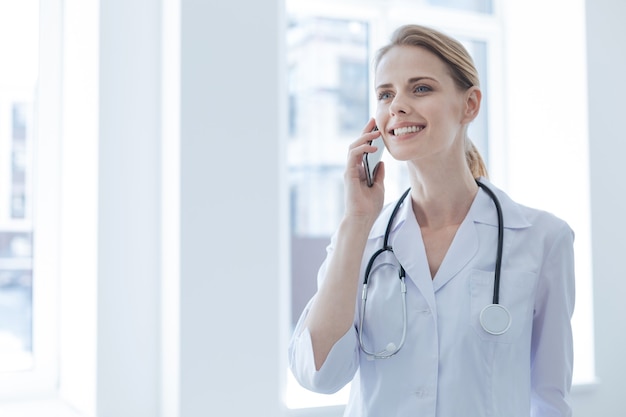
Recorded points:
(328,106)
(19,22)
(19,161)
(480,6)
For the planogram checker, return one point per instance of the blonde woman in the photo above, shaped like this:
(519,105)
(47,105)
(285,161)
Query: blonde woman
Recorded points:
(469,295)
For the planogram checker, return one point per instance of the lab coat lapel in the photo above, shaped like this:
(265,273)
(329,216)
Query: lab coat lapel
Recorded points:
(409,248)
(465,244)
(463,248)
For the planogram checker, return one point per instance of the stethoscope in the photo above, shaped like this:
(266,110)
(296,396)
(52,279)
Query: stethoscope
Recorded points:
(495,319)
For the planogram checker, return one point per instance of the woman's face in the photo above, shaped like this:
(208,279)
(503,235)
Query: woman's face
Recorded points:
(421,112)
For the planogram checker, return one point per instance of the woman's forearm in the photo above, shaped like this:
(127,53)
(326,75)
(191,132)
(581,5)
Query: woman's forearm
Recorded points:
(332,312)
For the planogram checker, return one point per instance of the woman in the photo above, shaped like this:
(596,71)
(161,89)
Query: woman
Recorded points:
(449,360)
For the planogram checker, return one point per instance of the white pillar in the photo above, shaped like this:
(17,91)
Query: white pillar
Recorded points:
(232,208)
(129,250)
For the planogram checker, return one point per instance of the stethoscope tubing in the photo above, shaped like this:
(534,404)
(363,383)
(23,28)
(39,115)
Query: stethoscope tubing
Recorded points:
(498,269)
(386,353)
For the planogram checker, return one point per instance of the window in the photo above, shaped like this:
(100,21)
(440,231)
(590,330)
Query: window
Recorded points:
(18,46)
(28,209)
(327,109)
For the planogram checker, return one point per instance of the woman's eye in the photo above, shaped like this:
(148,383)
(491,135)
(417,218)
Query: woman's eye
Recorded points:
(421,89)
(384,96)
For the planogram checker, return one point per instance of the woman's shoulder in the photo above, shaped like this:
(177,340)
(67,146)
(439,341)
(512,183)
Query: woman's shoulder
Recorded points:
(543,221)
(537,219)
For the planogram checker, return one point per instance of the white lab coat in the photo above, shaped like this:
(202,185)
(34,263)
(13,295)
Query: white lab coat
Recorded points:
(449,366)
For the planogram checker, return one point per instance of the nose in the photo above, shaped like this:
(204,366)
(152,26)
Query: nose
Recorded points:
(399,105)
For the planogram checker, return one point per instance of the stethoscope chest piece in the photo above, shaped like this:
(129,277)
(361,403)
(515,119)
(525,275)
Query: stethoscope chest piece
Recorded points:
(495,319)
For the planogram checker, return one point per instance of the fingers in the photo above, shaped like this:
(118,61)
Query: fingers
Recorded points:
(361,199)
(362,144)
(358,148)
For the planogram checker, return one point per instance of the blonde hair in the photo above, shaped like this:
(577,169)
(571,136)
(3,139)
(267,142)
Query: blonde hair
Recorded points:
(459,63)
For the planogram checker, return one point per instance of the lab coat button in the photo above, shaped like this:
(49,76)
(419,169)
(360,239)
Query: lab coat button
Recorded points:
(422,393)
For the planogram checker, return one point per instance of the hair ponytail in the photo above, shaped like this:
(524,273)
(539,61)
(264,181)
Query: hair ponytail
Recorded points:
(474,160)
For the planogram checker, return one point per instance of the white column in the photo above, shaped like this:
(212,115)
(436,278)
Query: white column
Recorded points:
(232,208)
(128,378)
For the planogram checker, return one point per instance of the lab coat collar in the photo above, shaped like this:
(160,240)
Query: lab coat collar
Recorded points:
(482,211)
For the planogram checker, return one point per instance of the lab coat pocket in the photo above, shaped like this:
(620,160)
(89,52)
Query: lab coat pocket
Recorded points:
(516,295)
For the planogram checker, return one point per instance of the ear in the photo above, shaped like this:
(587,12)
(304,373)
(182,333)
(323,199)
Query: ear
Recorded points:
(473,97)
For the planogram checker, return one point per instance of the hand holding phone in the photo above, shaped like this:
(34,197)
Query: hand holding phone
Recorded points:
(371,160)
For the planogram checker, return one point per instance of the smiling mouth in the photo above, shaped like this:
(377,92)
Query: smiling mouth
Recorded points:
(406,130)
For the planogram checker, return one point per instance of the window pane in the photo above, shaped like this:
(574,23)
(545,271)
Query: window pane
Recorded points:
(19,23)
(328,107)
(19,154)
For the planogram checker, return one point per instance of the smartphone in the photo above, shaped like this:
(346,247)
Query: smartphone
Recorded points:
(371,160)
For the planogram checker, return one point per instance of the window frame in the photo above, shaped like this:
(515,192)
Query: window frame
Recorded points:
(42,378)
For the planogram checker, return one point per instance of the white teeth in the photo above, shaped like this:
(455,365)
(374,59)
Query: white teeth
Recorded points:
(405,130)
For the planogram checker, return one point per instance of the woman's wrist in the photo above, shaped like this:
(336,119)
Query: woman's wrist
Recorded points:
(356,224)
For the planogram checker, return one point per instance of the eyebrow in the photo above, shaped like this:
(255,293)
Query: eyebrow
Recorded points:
(409,81)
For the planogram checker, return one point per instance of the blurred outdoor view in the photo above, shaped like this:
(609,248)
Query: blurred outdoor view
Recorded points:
(19,30)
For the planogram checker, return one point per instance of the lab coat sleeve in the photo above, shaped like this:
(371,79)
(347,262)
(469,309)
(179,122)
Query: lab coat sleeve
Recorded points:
(338,369)
(342,360)
(552,344)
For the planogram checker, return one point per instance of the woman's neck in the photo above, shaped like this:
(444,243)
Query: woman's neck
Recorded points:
(441,197)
